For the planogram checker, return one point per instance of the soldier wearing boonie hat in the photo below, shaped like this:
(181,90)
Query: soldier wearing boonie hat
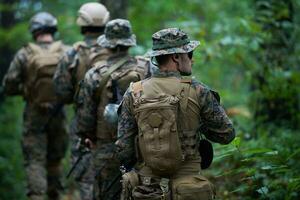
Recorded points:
(161,118)
(117,33)
(100,93)
(170,41)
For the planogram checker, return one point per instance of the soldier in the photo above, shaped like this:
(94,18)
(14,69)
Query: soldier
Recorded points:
(160,120)
(44,135)
(92,18)
(99,95)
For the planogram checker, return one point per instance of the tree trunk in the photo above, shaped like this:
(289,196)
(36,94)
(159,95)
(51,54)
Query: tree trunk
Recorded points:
(117,8)
(7,20)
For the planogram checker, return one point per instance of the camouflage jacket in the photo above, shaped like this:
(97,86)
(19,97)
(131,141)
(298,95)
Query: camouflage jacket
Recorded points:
(90,105)
(14,79)
(66,78)
(216,126)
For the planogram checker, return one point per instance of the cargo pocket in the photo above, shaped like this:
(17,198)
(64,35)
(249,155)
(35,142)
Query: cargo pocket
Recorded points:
(192,188)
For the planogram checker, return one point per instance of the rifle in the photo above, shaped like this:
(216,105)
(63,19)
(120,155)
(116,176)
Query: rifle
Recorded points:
(112,183)
(83,149)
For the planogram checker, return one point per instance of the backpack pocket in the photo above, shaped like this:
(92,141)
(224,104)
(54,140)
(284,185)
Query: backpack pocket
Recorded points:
(158,137)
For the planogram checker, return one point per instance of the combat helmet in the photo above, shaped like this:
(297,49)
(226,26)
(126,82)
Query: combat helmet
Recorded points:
(92,14)
(43,22)
(117,32)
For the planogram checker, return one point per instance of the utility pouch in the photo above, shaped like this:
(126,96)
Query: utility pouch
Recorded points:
(194,187)
(129,181)
(206,152)
(150,192)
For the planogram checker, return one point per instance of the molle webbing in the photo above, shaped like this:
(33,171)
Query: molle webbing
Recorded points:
(107,74)
(188,137)
(85,57)
(162,109)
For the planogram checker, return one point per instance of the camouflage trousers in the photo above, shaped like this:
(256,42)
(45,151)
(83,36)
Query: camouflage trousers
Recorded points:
(84,173)
(44,144)
(108,175)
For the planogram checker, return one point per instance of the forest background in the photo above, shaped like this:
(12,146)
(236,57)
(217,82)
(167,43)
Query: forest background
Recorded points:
(249,53)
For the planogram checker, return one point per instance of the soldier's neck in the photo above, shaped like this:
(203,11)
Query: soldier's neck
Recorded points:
(92,35)
(168,67)
(44,38)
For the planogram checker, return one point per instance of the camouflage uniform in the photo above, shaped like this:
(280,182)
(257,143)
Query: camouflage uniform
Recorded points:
(93,99)
(70,72)
(211,119)
(66,82)
(44,139)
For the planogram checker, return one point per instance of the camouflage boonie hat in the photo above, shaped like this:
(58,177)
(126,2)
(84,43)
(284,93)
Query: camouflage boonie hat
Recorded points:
(170,41)
(117,32)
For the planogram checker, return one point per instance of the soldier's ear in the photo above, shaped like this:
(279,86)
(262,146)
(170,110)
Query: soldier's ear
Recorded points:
(175,58)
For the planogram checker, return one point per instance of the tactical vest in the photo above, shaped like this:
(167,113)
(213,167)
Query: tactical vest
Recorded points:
(132,70)
(84,59)
(42,63)
(167,115)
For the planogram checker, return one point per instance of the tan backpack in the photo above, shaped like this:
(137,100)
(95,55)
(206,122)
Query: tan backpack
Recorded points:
(157,106)
(41,66)
(115,81)
(86,56)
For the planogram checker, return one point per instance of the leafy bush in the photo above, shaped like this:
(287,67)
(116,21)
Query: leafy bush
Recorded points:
(262,168)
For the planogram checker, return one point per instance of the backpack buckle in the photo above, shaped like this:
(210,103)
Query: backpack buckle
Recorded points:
(164,185)
(146,180)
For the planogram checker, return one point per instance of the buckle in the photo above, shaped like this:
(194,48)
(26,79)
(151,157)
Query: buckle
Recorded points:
(146,180)
(164,185)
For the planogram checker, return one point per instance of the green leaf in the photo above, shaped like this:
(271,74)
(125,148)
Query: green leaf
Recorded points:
(237,142)
(263,190)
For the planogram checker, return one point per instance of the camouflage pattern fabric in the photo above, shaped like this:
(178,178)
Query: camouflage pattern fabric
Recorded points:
(107,167)
(44,139)
(218,127)
(66,81)
(117,32)
(170,41)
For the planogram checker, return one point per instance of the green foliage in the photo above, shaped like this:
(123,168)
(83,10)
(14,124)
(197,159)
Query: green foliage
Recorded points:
(276,81)
(260,164)
(11,165)
(263,168)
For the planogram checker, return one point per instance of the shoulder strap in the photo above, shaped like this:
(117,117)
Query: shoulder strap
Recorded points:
(98,54)
(186,86)
(143,65)
(55,47)
(79,44)
(137,87)
(35,48)
(107,74)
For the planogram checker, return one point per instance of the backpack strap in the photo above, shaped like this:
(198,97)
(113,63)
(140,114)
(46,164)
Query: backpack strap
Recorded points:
(107,74)
(143,66)
(79,44)
(185,91)
(137,87)
(55,47)
(34,48)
